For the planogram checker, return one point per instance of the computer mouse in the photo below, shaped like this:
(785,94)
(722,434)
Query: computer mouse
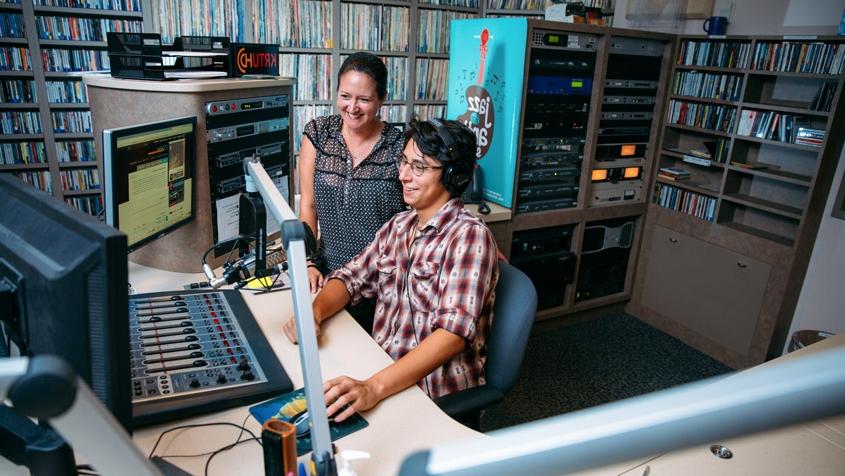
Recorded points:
(302,422)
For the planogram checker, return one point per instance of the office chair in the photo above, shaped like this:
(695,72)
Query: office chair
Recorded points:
(513,315)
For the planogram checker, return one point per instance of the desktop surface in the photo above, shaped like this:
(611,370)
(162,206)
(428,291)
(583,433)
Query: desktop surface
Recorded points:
(410,421)
(399,425)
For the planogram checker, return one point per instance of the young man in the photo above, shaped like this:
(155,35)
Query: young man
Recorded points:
(433,270)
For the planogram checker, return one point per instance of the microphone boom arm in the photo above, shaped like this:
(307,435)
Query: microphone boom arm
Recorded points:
(293,239)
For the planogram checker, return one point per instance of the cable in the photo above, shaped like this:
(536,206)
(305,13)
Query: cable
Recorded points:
(242,427)
(241,270)
(231,241)
(210,454)
(227,448)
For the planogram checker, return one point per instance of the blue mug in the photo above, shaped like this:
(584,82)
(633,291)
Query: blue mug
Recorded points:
(716,25)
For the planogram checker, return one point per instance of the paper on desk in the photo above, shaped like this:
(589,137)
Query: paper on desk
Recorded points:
(193,53)
(282,281)
(194,74)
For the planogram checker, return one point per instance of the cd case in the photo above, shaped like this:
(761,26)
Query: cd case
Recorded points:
(290,405)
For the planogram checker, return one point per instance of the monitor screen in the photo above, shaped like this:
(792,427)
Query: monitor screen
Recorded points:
(149,171)
(64,289)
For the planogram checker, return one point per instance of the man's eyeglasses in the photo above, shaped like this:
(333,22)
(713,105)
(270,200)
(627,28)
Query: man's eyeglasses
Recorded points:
(417,167)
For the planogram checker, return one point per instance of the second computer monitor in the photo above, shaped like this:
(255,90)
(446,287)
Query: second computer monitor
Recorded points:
(149,177)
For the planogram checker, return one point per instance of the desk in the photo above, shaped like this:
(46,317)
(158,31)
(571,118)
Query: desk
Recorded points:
(403,423)
(497,213)
(410,421)
(816,448)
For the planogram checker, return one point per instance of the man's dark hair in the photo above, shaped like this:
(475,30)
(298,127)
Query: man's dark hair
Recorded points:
(452,144)
(369,64)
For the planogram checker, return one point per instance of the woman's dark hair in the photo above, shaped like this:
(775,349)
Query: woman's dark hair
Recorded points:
(458,160)
(369,64)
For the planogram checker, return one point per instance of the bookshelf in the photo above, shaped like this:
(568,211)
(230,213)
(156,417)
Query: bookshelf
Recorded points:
(508,8)
(755,125)
(411,36)
(46,138)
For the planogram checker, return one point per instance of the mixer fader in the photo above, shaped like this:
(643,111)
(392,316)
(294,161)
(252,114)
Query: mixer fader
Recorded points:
(197,351)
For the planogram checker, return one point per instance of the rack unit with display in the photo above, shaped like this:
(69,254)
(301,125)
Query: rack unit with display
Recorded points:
(47,138)
(626,120)
(559,143)
(752,137)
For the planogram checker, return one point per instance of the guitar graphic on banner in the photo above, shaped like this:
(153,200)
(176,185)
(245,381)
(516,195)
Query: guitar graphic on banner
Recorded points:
(479,116)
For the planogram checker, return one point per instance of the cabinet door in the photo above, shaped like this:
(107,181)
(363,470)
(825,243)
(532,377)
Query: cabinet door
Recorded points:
(708,289)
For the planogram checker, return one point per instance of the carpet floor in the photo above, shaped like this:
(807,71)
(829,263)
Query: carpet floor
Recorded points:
(604,360)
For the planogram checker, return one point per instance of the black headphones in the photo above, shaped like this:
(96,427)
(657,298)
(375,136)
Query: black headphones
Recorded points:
(456,172)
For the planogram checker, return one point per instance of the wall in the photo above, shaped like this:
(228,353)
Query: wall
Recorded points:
(821,304)
(746,17)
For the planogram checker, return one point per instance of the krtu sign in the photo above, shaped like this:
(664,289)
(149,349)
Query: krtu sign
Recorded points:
(253,58)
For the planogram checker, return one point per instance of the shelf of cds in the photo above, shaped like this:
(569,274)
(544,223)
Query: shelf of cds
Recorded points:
(172,18)
(45,125)
(411,36)
(748,122)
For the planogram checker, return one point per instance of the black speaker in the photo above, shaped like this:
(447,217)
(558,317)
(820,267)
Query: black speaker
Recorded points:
(544,255)
(605,253)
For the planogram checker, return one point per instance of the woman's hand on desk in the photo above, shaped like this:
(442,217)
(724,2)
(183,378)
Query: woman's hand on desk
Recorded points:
(348,396)
(332,298)
(315,278)
(290,328)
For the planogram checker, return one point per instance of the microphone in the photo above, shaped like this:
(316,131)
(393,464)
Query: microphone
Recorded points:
(213,281)
(241,270)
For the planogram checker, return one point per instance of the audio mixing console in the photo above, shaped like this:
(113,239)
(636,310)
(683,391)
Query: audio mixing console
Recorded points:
(195,352)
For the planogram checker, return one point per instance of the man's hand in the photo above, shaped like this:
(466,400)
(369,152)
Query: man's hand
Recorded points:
(290,328)
(346,396)
(315,278)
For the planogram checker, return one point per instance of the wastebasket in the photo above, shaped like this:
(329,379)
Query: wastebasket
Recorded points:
(803,338)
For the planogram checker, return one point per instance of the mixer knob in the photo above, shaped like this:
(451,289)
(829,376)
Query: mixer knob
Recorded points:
(221,378)
(194,383)
(243,365)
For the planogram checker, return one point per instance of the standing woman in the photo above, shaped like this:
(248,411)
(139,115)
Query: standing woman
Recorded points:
(347,171)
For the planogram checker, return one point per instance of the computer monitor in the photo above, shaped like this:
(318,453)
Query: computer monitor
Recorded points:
(149,170)
(64,291)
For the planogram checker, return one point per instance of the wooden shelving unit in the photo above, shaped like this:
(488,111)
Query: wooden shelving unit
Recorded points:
(60,43)
(770,194)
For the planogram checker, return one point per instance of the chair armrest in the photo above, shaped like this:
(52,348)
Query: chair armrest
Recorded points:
(473,399)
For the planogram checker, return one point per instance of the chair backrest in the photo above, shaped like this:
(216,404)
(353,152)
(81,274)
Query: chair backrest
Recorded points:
(513,316)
